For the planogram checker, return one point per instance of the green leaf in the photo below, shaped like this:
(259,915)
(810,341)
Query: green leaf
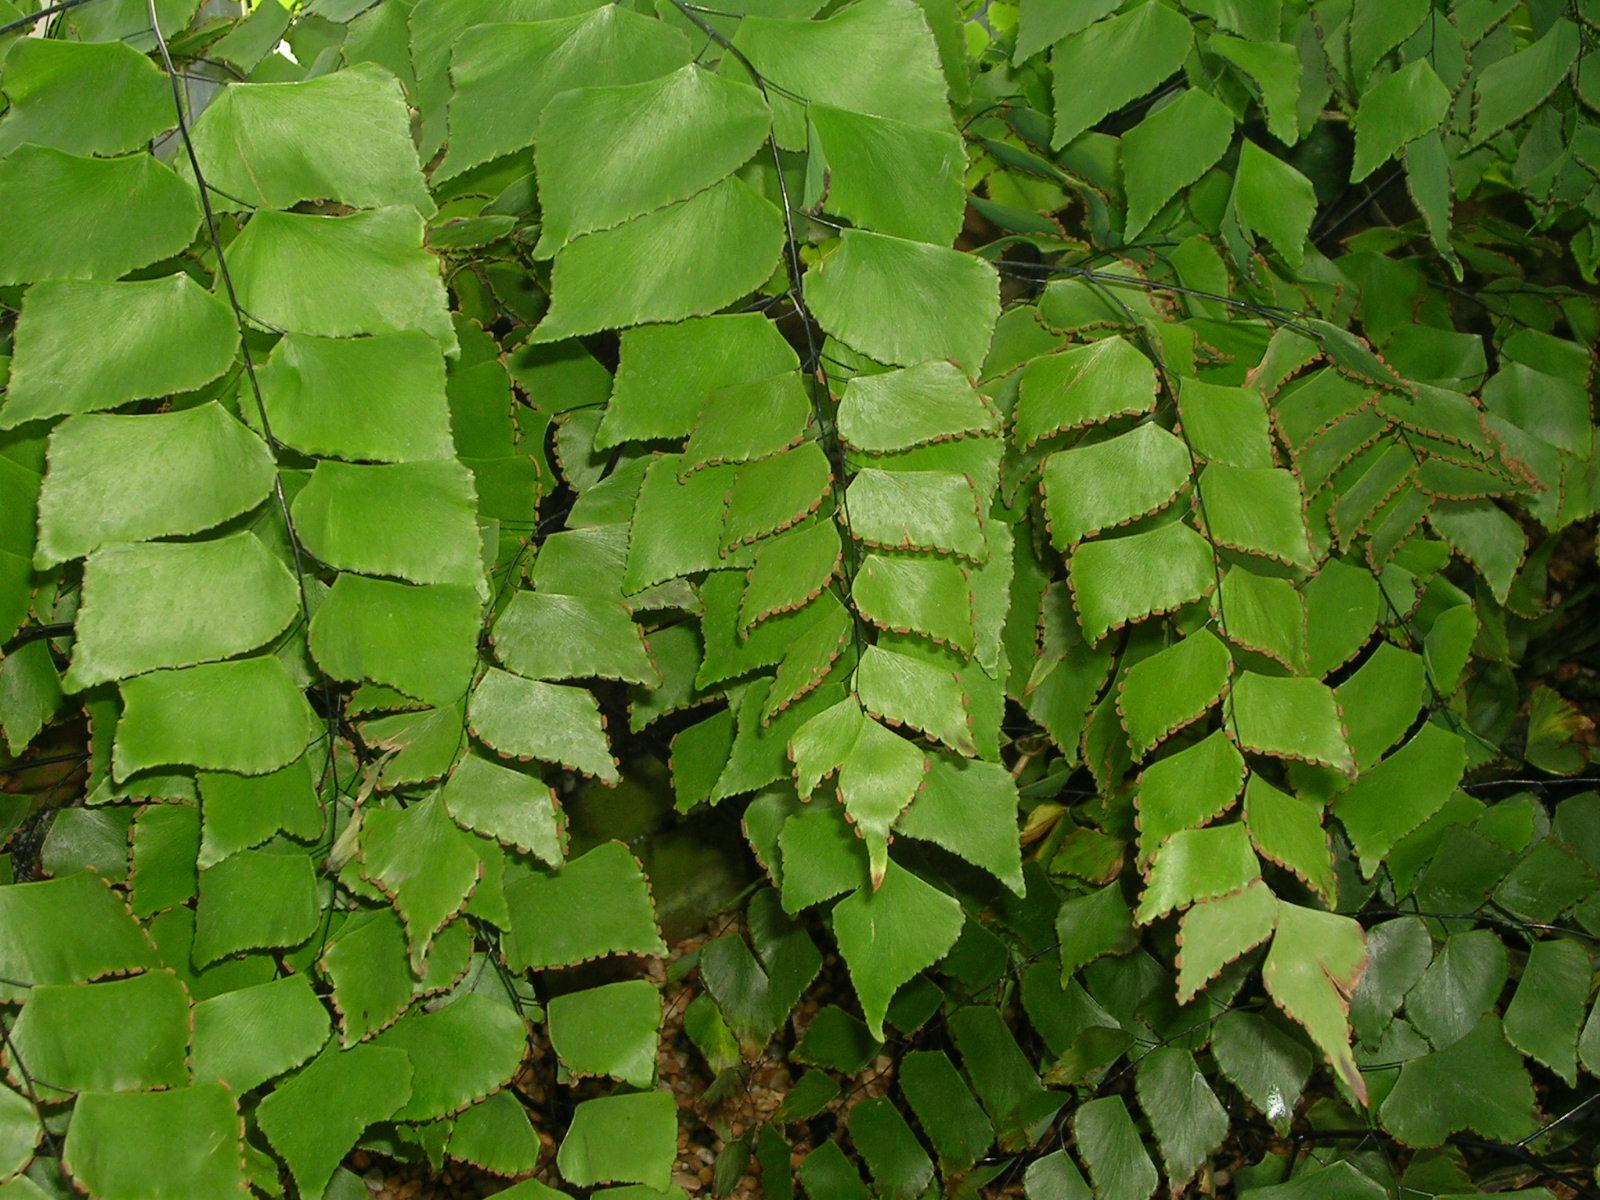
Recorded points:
(621,1139)
(30,693)
(1274,67)
(100,488)
(1293,718)
(1097,487)
(1111,1146)
(1055,1177)
(1544,1016)
(124,1035)
(1394,111)
(1341,612)
(900,1166)
(970,809)
(20,1130)
(344,137)
(837,61)
(903,302)
(822,855)
(665,140)
(374,275)
(1398,953)
(917,510)
(609,1030)
(909,691)
(1188,1122)
(1215,932)
(827,1174)
(1121,580)
(496,1135)
(1093,925)
(1510,88)
(1041,23)
(770,495)
(542,635)
(512,807)
(914,406)
(82,97)
(1127,56)
(889,934)
(257,899)
(121,1145)
(1287,831)
(166,842)
(372,399)
(174,604)
(598,904)
(1275,200)
(461,1053)
(656,268)
(527,719)
(140,210)
(1197,864)
(1477,1084)
(504,76)
(1187,789)
(1463,982)
(1311,969)
(240,812)
(422,862)
(1257,511)
(422,641)
(1486,536)
(747,421)
(1263,615)
(1400,793)
(1267,1065)
(945,1108)
(244,1038)
(247,716)
(314,1119)
(1172,688)
(1169,150)
(1381,701)
(790,571)
(666,373)
(67,930)
(175,337)
(860,158)
(1090,385)
(416,521)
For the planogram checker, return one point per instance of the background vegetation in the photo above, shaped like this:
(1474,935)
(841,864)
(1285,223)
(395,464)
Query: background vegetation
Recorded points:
(1062,532)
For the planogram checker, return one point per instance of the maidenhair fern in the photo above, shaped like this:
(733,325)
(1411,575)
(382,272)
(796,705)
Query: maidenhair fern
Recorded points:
(954,438)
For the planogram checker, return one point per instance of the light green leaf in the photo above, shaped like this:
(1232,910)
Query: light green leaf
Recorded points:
(423,864)
(1264,615)
(20,1131)
(247,716)
(140,212)
(461,1053)
(903,302)
(746,421)
(496,1135)
(1274,67)
(597,904)
(373,274)
(368,965)
(1096,487)
(67,930)
(657,268)
(1510,88)
(608,1030)
(372,399)
(257,899)
(1215,932)
(1172,688)
(174,604)
(1042,23)
(1257,511)
(910,691)
(915,406)
(969,808)
(1400,793)
(1396,110)
(82,97)
(790,571)
(416,521)
(1288,831)
(513,807)
(421,640)
(1486,536)
(240,812)
(528,719)
(1121,580)
(1197,864)
(1196,785)
(344,137)
(1088,385)
(770,495)
(1293,718)
(1311,969)
(663,141)
(245,1037)
(172,336)
(621,1139)
(863,157)
(124,1035)
(917,510)
(1169,150)
(889,934)
(123,1145)
(100,487)
(1127,56)
(1275,200)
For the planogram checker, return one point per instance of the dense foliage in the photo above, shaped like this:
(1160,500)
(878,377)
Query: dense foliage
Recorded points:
(1100,494)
